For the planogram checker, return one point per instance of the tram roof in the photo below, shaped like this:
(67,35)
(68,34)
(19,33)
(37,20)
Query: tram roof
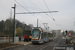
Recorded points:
(44,30)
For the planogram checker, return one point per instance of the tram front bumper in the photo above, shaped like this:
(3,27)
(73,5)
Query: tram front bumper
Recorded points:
(35,41)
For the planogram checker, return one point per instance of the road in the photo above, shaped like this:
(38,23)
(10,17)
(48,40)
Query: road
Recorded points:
(55,44)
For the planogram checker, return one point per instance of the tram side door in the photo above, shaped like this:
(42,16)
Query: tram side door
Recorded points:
(41,35)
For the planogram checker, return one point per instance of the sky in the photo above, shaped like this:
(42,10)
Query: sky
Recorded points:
(64,18)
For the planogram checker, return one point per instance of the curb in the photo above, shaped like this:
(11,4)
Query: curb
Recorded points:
(14,46)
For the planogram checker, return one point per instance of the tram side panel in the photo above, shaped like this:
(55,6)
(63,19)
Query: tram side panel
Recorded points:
(49,36)
(45,37)
(41,40)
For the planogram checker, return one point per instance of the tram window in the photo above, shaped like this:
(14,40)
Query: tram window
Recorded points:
(42,35)
(35,34)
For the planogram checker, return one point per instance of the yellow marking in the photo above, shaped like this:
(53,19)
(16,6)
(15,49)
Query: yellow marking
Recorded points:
(35,38)
(41,30)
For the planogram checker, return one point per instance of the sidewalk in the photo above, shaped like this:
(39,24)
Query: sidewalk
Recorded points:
(10,45)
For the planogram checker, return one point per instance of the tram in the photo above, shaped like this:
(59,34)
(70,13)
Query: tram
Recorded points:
(40,35)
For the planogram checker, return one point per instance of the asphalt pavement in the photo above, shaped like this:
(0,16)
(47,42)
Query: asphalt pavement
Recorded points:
(56,44)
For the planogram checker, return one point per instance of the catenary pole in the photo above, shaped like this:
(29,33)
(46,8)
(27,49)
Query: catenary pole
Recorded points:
(37,22)
(14,22)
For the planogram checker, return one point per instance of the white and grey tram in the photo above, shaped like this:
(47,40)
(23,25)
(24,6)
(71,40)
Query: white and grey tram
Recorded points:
(40,35)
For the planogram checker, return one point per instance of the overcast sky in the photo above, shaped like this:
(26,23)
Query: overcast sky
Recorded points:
(64,19)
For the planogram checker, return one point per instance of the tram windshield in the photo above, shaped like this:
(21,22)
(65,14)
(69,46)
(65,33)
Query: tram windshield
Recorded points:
(35,33)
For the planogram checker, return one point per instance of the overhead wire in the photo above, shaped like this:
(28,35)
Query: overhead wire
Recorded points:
(33,15)
(50,13)
(48,10)
(41,10)
(38,7)
(25,4)
(27,10)
(22,6)
(47,7)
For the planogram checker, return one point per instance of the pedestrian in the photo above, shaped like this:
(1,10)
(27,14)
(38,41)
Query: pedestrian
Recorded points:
(24,38)
(27,38)
(19,38)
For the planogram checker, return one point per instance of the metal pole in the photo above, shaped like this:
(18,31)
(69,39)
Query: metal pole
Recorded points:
(66,36)
(37,12)
(14,22)
(37,22)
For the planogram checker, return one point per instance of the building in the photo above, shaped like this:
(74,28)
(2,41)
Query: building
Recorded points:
(57,32)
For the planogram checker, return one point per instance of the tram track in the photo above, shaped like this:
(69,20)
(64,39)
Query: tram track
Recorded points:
(41,47)
(52,44)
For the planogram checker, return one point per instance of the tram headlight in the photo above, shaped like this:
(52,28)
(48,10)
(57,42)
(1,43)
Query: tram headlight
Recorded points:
(35,38)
